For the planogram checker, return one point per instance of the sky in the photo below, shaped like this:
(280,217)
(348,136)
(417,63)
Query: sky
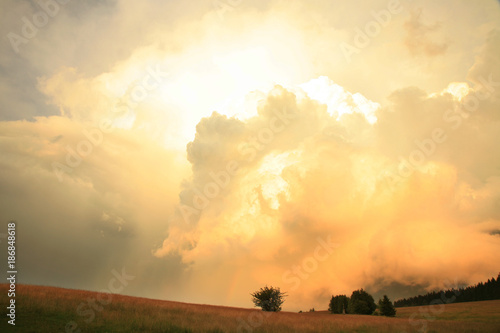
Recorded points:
(205,149)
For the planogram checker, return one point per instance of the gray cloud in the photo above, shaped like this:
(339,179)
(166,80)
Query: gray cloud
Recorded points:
(418,39)
(301,172)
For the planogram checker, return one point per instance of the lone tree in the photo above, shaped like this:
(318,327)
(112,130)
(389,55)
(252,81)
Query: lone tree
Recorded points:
(386,307)
(269,299)
(361,303)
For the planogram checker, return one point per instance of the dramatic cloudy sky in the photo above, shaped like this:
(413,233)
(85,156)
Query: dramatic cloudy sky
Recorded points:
(211,148)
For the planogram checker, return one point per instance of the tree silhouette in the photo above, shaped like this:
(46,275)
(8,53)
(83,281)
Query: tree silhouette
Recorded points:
(338,304)
(480,292)
(269,298)
(361,303)
(386,308)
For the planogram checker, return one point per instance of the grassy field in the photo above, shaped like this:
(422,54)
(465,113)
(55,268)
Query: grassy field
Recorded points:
(48,309)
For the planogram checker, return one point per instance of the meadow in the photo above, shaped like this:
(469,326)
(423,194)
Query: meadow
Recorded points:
(50,309)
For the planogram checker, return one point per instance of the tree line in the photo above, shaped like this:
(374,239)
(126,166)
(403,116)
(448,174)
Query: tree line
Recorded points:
(361,302)
(489,290)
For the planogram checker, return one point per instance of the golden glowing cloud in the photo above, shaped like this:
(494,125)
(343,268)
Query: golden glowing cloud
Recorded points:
(242,147)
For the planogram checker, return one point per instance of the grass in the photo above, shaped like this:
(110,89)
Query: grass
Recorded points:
(484,313)
(49,309)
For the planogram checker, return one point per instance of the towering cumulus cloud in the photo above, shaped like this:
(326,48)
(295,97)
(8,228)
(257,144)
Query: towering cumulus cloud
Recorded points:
(409,199)
(211,150)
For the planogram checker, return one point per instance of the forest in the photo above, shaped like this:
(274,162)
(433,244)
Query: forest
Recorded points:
(489,290)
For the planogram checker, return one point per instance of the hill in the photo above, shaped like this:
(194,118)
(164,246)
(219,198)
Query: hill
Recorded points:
(483,291)
(50,309)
